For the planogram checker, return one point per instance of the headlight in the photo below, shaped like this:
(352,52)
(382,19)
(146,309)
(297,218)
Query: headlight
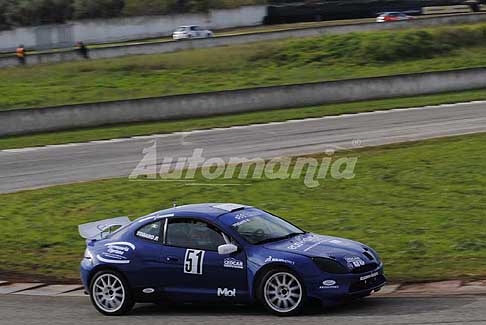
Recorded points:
(329,266)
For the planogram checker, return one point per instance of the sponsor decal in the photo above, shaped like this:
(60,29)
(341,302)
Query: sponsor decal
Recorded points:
(243,217)
(329,284)
(226,292)
(122,243)
(316,244)
(233,263)
(313,240)
(147,236)
(239,223)
(282,260)
(229,206)
(246,214)
(369,276)
(116,253)
(110,261)
(355,261)
(302,241)
(193,261)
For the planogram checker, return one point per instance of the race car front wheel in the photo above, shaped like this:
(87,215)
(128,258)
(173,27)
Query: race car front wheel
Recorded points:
(110,294)
(282,293)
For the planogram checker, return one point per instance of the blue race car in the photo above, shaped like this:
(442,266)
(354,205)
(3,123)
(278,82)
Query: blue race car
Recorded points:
(221,252)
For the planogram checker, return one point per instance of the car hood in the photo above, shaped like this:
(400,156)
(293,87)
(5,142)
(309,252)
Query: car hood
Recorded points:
(348,252)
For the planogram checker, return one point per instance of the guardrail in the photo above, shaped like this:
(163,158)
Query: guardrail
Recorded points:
(26,121)
(172,46)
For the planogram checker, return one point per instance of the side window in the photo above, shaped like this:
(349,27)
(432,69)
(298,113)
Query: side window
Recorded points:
(190,233)
(150,232)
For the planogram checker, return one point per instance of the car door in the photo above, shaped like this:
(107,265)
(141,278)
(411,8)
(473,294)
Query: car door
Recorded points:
(145,270)
(195,270)
(197,31)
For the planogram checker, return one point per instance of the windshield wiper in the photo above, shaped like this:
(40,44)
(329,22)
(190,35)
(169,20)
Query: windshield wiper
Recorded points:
(268,240)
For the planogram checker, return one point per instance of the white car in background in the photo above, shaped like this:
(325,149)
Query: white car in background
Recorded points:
(190,32)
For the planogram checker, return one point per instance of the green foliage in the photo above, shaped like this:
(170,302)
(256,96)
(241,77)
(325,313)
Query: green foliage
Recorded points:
(36,12)
(97,8)
(149,7)
(386,47)
(243,66)
(157,7)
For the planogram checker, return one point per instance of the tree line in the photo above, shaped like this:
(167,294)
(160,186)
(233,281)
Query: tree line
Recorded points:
(36,12)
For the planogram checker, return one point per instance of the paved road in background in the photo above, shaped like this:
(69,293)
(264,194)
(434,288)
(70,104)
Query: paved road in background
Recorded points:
(387,311)
(45,166)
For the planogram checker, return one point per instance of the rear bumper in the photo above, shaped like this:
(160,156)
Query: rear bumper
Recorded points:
(85,270)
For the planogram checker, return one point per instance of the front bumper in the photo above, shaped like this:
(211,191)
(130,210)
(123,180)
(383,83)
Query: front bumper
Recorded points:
(335,287)
(180,36)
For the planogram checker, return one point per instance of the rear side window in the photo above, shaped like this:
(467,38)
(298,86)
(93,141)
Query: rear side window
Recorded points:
(150,232)
(190,233)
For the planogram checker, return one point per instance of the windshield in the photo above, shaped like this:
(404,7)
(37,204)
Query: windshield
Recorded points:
(258,227)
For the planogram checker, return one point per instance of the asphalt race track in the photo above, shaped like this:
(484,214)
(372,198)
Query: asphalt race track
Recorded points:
(387,311)
(45,166)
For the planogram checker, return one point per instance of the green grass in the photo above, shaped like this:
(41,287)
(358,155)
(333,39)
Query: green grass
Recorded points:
(261,64)
(127,130)
(421,205)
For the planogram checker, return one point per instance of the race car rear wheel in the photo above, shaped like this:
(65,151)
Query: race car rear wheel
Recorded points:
(110,294)
(282,293)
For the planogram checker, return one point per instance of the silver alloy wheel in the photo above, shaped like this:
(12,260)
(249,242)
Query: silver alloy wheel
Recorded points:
(108,293)
(282,292)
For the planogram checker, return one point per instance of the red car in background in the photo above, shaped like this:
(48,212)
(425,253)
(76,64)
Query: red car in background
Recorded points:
(393,16)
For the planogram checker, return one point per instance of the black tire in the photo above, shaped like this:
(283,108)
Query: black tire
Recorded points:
(264,294)
(120,286)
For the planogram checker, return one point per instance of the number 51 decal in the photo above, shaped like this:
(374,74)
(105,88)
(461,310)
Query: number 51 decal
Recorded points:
(193,262)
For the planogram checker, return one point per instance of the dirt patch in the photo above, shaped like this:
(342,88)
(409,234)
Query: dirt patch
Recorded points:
(25,277)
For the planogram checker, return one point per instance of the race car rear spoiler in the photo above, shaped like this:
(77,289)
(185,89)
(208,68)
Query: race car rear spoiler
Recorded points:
(99,229)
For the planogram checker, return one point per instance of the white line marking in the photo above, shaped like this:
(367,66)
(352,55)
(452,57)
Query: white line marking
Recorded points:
(185,133)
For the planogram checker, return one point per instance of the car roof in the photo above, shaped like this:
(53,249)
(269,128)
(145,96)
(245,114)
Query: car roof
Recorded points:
(209,211)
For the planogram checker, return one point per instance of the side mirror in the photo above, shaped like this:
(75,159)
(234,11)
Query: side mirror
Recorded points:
(227,249)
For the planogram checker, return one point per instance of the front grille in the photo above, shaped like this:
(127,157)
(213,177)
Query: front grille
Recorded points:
(365,268)
(366,284)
